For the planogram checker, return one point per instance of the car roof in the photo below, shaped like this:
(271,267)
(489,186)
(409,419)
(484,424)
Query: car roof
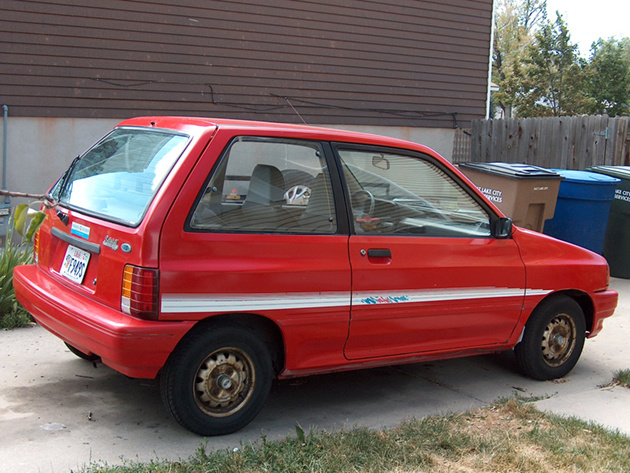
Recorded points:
(196,125)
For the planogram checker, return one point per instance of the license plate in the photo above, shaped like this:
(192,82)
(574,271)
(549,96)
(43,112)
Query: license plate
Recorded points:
(75,264)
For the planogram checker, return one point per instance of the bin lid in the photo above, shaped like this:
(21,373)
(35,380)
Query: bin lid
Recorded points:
(622,172)
(513,170)
(586,177)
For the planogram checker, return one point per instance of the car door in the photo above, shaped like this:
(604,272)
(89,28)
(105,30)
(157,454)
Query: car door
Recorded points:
(427,274)
(261,237)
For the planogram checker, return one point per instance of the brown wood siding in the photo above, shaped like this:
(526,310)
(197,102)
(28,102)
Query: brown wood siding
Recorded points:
(398,63)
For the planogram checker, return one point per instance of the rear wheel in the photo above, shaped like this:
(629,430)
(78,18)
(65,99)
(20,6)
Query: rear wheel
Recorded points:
(217,380)
(553,339)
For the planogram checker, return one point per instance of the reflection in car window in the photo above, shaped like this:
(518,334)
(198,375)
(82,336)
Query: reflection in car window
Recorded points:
(268,185)
(397,194)
(118,178)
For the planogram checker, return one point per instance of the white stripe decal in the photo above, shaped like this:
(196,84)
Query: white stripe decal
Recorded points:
(187,303)
(172,303)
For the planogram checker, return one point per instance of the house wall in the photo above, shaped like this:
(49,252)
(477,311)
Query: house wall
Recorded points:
(407,63)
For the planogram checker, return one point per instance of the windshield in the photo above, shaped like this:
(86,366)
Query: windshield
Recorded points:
(119,176)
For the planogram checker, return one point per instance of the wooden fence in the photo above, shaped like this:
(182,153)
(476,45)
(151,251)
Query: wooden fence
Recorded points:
(558,142)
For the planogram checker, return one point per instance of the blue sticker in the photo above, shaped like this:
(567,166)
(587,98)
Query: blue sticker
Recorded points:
(80,230)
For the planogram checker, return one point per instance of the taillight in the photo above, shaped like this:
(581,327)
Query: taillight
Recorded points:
(140,292)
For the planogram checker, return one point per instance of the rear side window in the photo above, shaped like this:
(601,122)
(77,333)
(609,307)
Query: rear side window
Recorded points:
(268,185)
(118,178)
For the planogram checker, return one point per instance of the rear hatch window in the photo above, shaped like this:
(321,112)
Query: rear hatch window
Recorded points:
(117,179)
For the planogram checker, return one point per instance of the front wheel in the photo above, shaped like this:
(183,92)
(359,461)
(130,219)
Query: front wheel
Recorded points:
(553,339)
(217,380)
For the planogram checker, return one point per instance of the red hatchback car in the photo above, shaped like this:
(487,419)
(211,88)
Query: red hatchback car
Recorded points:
(220,254)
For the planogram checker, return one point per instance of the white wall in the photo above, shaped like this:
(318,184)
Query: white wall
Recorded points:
(40,149)
(438,139)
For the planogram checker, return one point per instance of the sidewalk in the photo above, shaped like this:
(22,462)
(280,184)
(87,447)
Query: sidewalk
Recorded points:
(58,412)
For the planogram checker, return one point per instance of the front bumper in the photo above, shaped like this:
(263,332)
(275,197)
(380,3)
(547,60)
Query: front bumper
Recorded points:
(134,347)
(604,304)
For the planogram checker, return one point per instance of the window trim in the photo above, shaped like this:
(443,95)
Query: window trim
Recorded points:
(109,218)
(333,171)
(336,146)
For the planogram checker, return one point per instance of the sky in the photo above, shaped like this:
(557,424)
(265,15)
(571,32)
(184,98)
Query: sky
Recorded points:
(590,20)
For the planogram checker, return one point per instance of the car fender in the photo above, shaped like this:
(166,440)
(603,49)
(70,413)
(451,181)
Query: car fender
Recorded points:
(555,267)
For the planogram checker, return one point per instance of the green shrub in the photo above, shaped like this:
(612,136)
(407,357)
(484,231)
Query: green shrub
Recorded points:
(12,255)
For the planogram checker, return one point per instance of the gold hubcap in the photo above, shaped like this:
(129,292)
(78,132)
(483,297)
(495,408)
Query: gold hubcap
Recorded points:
(558,340)
(224,382)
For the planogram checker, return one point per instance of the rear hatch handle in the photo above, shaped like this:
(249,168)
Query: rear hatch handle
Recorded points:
(76,241)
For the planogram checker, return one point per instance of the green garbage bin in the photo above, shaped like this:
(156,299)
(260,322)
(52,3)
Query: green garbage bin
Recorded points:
(616,242)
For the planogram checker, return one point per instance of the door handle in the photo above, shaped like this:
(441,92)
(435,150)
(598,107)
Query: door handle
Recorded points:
(379,253)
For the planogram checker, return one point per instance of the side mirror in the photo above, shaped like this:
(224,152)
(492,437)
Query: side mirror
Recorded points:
(502,228)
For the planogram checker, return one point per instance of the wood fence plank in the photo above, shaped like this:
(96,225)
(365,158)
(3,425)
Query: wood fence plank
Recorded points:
(600,125)
(576,144)
(546,132)
(512,139)
(486,141)
(617,147)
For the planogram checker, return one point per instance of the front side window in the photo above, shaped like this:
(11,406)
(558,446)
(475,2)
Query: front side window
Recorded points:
(407,195)
(268,185)
(118,178)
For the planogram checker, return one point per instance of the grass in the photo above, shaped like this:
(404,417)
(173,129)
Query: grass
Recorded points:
(622,378)
(511,435)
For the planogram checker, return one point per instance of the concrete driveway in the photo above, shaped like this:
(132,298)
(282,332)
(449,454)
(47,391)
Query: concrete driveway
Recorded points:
(58,412)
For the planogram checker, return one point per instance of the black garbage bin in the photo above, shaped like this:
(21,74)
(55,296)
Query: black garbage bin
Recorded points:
(617,242)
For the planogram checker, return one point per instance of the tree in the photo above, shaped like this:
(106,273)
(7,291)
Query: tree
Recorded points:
(532,13)
(608,77)
(515,21)
(554,80)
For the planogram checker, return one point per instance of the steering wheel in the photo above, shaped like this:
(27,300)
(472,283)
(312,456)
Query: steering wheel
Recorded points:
(370,199)
(297,195)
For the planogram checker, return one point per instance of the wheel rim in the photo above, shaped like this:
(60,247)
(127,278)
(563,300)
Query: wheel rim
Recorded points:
(224,382)
(558,340)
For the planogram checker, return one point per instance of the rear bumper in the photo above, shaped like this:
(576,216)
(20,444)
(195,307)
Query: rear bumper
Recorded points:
(605,303)
(134,347)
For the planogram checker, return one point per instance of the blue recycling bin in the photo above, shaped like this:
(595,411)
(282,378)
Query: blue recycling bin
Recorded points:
(582,209)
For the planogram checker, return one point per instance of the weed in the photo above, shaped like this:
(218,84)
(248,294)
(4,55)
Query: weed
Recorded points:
(12,255)
(622,378)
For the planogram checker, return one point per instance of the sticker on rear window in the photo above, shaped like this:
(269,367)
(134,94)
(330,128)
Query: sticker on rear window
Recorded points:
(80,230)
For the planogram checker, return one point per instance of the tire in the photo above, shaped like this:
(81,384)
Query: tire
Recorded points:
(553,339)
(82,355)
(217,380)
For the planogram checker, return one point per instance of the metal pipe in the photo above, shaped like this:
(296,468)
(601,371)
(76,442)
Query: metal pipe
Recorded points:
(5,110)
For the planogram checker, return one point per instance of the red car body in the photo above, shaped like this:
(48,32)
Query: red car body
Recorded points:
(326,301)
